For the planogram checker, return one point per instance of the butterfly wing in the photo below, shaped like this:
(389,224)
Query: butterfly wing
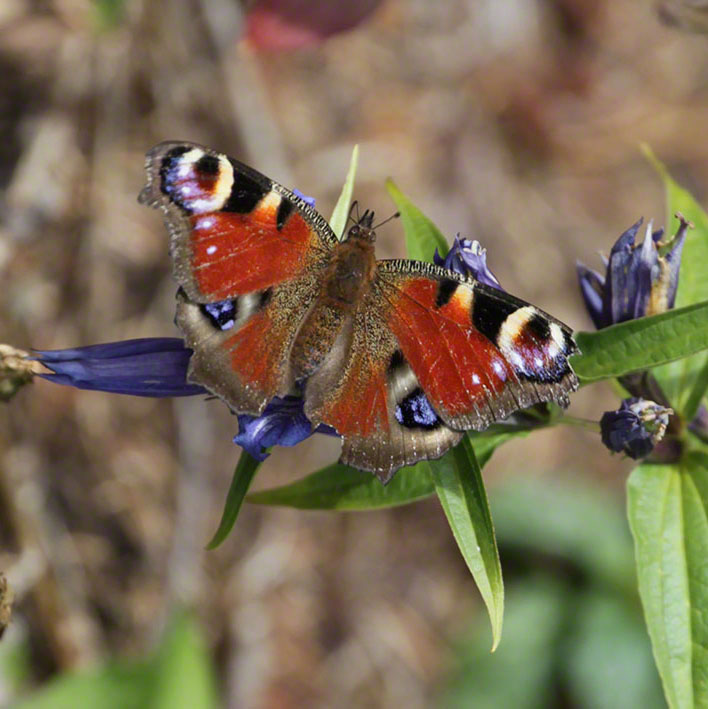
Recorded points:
(247,253)
(431,354)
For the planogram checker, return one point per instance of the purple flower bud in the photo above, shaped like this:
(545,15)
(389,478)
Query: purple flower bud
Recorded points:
(635,428)
(282,423)
(592,286)
(640,279)
(304,197)
(468,258)
(153,366)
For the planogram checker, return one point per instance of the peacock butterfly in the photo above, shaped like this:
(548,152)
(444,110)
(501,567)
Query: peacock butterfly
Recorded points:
(400,357)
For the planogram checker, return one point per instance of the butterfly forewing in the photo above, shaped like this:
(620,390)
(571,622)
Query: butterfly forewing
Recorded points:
(479,353)
(232,230)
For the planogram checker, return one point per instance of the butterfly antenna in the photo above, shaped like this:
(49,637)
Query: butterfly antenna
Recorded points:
(395,215)
(354,205)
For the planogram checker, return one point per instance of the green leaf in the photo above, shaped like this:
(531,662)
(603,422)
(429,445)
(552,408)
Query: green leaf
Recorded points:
(460,489)
(338,222)
(696,393)
(339,487)
(243,476)
(422,236)
(641,344)
(112,687)
(668,515)
(682,381)
(693,286)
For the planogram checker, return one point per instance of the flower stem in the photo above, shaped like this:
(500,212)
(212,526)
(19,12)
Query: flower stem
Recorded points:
(587,424)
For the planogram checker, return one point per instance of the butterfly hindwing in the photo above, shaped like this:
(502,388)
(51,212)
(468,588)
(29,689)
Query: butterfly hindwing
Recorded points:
(367,392)
(242,345)
(232,230)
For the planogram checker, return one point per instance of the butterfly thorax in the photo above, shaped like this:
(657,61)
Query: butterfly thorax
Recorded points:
(347,280)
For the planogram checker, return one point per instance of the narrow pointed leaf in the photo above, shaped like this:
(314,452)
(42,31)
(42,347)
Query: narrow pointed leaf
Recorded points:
(641,344)
(682,381)
(668,514)
(422,236)
(243,476)
(339,487)
(460,489)
(338,222)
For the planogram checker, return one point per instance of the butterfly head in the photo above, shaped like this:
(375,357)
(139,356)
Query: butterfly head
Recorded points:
(363,228)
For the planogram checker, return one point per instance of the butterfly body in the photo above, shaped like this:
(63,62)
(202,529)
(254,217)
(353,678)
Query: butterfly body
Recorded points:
(345,284)
(400,357)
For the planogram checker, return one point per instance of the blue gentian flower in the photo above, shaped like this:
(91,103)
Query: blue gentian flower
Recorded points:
(152,366)
(468,258)
(635,428)
(639,279)
(157,367)
(282,423)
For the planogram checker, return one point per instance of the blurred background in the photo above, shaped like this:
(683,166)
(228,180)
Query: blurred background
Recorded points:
(517,123)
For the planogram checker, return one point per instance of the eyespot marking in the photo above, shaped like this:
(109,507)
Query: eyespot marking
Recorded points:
(222,315)
(195,181)
(415,411)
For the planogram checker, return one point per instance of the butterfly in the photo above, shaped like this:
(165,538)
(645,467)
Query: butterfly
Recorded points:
(400,357)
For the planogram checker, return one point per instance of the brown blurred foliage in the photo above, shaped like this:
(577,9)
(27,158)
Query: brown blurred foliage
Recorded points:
(515,123)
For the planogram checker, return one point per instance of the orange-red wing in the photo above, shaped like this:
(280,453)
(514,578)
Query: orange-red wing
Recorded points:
(478,353)
(457,366)
(240,253)
(360,407)
(242,345)
(233,230)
